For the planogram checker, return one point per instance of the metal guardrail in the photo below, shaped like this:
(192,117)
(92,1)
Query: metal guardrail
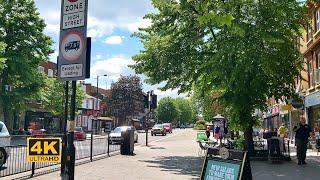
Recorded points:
(17,150)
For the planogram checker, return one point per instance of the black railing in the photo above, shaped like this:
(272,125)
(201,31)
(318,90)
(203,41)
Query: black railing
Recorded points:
(17,150)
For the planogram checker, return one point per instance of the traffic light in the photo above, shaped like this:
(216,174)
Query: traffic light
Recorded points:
(153,101)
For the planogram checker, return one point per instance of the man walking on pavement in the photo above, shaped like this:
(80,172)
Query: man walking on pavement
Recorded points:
(303,132)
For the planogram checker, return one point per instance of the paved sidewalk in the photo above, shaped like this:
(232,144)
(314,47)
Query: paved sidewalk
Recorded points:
(173,157)
(176,157)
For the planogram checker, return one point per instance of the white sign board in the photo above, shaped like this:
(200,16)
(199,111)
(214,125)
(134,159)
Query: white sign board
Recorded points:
(72,70)
(73,14)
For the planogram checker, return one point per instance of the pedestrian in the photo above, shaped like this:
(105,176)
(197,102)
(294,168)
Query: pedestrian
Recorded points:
(217,132)
(282,131)
(208,132)
(303,132)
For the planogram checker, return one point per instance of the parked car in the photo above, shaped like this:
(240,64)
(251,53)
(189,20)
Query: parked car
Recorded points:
(115,135)
(79,134)
(158,129)
(4,142)
(168,127)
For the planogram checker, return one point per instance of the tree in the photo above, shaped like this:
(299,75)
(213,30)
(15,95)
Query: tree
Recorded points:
(53,96)
(126,98)
(244,49)
(208,104)
(167,111)
(21,29)
(2,60)
(184,110)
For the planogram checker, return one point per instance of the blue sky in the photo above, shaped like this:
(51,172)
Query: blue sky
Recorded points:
(110,24)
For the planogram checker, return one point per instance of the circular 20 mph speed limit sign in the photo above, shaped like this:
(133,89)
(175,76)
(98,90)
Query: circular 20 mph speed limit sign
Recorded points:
(72,46)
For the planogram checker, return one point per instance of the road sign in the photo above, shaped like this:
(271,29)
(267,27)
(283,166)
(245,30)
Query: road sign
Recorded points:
(44,150)
(73,40)
(73,14)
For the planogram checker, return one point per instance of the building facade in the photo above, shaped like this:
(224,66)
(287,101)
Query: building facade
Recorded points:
(309,82)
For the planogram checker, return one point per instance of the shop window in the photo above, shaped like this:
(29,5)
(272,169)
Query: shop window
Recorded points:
(50,72)
(317,20)
(41,69)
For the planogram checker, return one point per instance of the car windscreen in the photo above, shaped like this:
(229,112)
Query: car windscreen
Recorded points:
(78,129)
(117,130)
(1,126)
(158,126)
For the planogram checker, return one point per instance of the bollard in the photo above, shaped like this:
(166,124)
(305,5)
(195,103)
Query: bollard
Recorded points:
(33,168)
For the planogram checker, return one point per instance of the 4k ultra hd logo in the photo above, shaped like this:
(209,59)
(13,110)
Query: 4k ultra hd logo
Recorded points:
(44,150)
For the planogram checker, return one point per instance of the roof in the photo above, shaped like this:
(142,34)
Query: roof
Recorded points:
(218,116)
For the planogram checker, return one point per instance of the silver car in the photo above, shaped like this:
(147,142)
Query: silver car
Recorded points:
(4,142)
(115,135)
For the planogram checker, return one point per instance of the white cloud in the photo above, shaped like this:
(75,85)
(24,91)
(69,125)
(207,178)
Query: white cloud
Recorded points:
(98,28)
(113,40)
(141,23)
(170,92)
(104,15)
(113,67)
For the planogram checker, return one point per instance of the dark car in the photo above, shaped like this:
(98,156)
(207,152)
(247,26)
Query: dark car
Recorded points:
(158,129)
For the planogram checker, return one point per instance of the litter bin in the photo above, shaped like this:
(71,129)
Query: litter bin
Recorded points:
(274,149)
(127,147)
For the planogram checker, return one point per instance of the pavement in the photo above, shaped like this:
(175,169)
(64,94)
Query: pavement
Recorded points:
(176,157)
(171,157)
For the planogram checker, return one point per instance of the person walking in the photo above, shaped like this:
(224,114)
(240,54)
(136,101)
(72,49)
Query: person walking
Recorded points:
(208,132)
(282,131)
(217,132)
(303,132)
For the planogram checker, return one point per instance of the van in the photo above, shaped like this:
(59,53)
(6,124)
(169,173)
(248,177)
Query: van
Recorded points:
(4,142)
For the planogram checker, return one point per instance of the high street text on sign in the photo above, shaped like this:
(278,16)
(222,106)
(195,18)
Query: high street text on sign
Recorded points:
(73,14)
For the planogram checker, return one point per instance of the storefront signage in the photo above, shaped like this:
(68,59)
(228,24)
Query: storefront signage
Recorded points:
(312,99)
(221,170)
(226,164)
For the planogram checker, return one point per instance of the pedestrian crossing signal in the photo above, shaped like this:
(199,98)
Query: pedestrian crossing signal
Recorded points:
(44,150)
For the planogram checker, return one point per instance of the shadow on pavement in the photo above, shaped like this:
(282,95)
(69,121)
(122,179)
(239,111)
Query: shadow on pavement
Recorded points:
(186,165)
(263,170)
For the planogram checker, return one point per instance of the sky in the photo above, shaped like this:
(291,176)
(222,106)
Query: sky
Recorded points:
(110,25)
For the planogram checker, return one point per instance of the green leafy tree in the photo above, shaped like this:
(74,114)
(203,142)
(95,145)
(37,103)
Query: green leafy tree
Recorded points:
(126,98)
(167,111)
(2,59)
(53,96)
(184,109)
(245,49)
(21,29)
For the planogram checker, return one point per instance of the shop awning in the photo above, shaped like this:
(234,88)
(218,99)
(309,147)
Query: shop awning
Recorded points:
(104,119)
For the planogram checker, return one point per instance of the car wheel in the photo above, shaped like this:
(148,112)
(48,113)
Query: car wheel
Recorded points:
(3,157)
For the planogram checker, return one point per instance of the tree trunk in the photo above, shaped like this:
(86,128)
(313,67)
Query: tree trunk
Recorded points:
(248,146)
(6,117)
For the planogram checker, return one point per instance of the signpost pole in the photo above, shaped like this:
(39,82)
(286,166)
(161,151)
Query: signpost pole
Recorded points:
(71,150)
(64,140)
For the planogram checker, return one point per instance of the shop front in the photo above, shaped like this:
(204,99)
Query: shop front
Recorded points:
(312,105)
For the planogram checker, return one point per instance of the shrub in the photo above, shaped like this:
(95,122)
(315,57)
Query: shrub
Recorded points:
(200,125)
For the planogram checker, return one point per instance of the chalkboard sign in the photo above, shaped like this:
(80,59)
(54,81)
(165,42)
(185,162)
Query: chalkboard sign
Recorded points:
(226,164)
